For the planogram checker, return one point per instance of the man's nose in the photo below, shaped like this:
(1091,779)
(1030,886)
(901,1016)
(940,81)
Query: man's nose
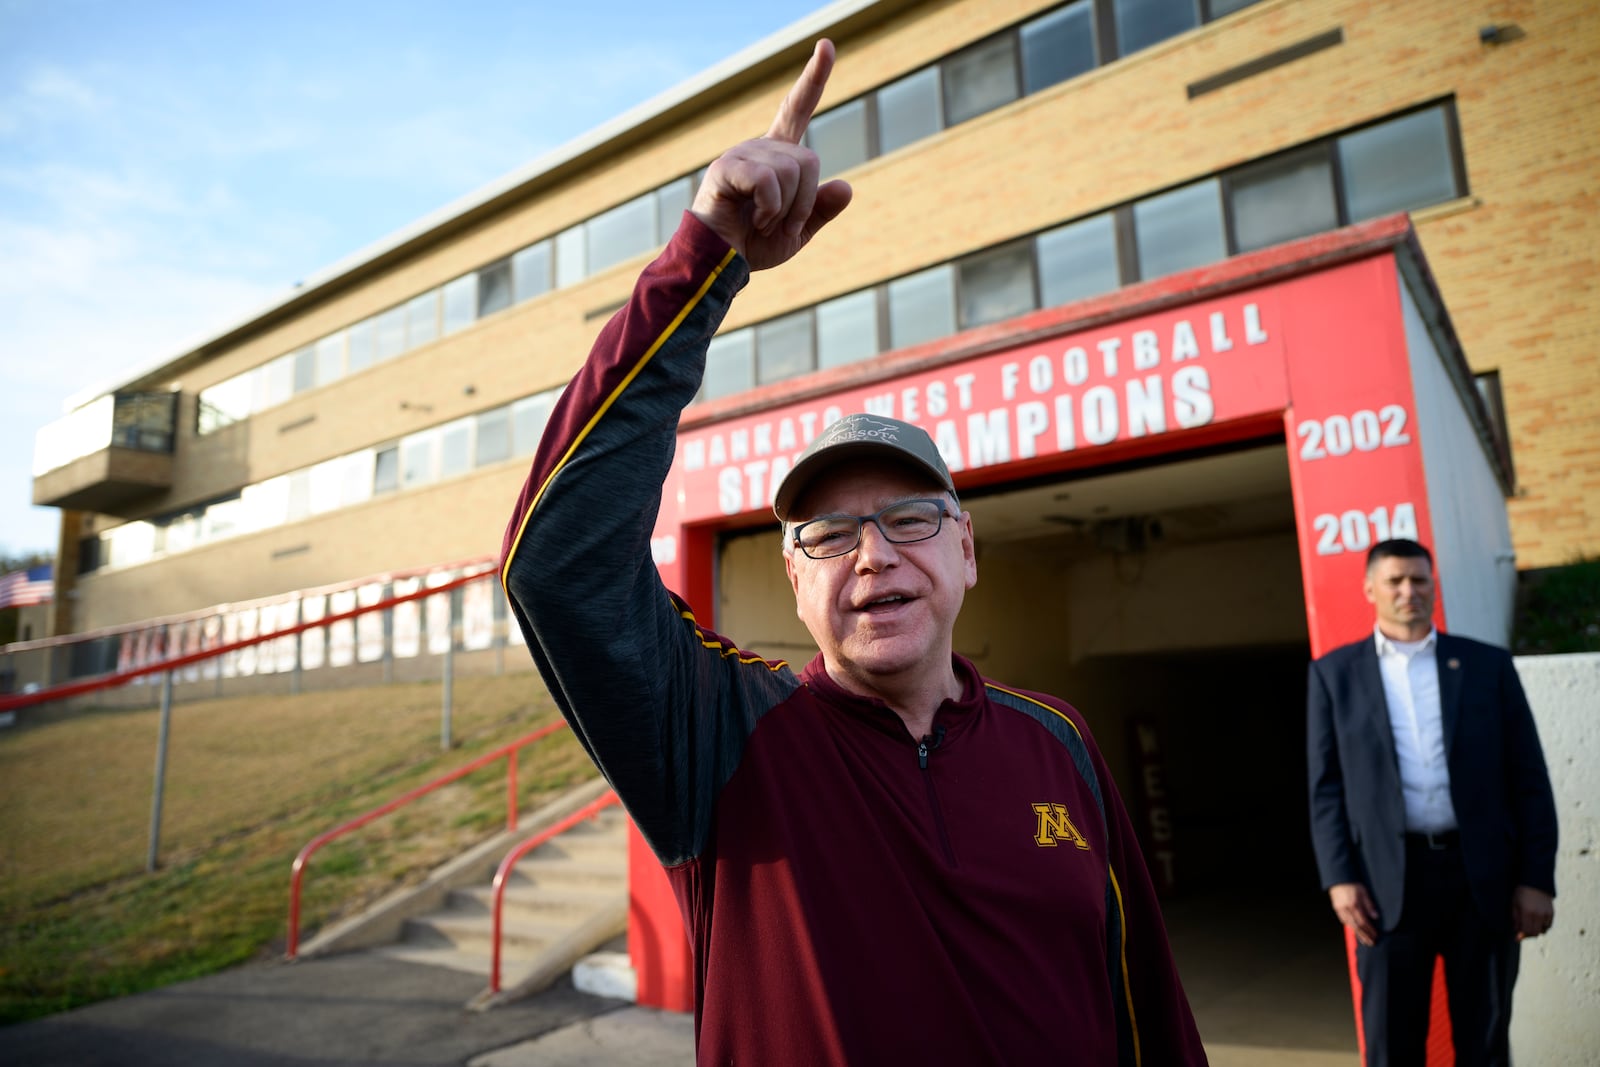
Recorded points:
(875,551)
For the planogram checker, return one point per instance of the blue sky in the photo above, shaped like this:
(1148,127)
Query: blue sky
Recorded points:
(166,168)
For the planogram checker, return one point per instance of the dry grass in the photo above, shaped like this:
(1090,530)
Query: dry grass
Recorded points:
(249,781)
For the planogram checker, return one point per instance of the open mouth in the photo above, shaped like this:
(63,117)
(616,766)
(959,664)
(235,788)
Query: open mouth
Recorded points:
(884,603)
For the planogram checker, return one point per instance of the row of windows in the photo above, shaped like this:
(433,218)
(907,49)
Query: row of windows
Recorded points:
(621,233)
(1058,45)
(430,455)
(1402,164)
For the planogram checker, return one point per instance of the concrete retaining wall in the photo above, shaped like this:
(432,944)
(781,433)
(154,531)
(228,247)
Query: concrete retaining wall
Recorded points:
(1556,1015)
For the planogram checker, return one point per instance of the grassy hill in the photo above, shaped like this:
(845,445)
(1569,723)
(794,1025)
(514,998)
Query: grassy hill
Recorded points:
(249,781)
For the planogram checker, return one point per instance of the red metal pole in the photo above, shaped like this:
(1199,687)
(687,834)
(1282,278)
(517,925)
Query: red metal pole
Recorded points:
(511,789)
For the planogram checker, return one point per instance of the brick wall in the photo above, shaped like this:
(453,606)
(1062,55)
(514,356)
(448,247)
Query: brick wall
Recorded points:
(1516,260)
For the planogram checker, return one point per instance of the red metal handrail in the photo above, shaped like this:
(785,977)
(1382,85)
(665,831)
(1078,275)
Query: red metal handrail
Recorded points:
(588,811)
(483,565)
(16,701)
(508,752)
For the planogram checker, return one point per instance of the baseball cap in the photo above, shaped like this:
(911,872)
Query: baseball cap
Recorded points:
(861,437)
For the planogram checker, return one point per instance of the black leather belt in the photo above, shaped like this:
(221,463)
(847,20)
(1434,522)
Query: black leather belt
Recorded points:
(1440,839)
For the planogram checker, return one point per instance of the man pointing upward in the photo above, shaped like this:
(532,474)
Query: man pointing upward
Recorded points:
(885,858)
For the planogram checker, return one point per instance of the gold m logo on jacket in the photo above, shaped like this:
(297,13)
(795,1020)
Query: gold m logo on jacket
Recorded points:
(1056,825)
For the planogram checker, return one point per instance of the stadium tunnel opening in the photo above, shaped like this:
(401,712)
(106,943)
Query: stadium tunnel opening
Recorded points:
(1164,600)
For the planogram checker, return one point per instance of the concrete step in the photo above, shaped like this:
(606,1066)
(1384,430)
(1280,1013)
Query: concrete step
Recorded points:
(525,900)
(562,901)
(588,872)
(512,970)
(472,934)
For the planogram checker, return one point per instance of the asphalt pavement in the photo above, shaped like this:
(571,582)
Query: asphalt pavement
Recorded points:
(356,1008)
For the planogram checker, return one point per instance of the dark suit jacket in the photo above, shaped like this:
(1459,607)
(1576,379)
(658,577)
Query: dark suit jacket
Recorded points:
(1498,782)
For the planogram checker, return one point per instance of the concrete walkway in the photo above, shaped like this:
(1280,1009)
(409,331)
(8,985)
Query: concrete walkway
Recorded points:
(1265,983)
(358,1008)
(363,1008)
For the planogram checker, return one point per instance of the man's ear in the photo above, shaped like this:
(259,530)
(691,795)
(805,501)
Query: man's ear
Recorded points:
(969,549)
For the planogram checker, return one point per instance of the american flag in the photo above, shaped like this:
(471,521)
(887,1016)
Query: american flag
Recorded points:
(21,589)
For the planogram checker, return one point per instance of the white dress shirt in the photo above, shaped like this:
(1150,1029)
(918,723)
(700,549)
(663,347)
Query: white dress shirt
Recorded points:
(1410,671)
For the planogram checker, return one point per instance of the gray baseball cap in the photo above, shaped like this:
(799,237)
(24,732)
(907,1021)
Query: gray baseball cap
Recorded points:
(861,437)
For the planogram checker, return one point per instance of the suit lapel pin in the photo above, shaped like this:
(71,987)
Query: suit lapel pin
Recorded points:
(1453,663)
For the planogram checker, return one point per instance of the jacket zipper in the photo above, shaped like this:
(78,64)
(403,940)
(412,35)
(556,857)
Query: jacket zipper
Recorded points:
(925,746)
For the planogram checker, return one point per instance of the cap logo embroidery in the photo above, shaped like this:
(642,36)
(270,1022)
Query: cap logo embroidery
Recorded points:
(861,430)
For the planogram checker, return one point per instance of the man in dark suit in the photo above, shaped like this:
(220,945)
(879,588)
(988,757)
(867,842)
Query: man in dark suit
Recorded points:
(1432,816)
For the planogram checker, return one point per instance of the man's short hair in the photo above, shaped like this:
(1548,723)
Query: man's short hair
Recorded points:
(1398,548)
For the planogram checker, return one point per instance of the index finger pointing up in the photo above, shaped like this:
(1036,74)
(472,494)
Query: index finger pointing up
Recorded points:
(794,114)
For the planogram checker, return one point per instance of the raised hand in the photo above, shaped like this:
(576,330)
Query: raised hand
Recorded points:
(762,196)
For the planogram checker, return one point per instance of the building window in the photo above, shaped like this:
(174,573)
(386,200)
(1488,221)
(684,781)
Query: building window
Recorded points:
(530,270)
(672,200)
(419,459)
(224,519)
(1215,9)
(494,288)
(327,486)
(908,110)
(89,554)
(455,448)
(620,234)
(997,285)
(386,470)
(362,344)
(305,370)
(1283,198)
(922,307)
(1180,229)
(299,496)
(730,365)
(840,138)
(355,484)
(391,331)
(330,358)
(1399,165)
(1142,23)
(460,303)
(1058,46)
(181,533)
(223,404)
(493,437)
(980,79)
(275,384)
(1488,385)
(1078,260)
(422,319)
(783,347)
(528,418)
(847,329)
(570,267)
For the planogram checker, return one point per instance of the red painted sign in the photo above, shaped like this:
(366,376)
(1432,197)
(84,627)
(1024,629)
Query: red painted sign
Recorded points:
(1144,377)
(1355,458)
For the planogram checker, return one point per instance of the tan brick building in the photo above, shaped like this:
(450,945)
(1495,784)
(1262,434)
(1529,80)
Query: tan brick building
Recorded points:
(1006,155)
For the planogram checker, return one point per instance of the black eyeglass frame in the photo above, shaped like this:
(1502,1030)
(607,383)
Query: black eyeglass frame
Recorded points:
(861,523)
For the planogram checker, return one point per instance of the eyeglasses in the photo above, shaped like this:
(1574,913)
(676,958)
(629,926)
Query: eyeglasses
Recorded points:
(902,523)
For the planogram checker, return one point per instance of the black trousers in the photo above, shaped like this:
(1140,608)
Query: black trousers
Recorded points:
(1480,962)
